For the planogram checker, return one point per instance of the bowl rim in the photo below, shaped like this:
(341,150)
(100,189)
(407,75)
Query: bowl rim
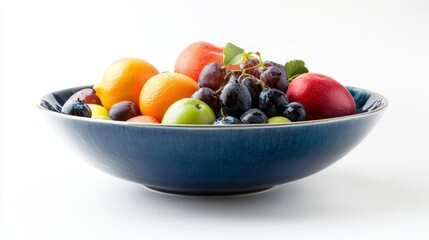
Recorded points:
(379,109)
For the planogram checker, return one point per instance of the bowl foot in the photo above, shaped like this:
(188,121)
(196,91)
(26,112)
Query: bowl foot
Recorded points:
(210,193)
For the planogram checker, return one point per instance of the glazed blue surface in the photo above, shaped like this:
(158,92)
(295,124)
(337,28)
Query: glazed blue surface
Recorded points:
(214,160)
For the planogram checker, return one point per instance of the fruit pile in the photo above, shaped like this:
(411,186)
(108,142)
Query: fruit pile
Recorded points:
(212,85)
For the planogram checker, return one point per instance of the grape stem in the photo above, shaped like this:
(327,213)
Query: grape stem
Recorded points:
(243,71)
(293,77)
(222,113)
(219,90)
(260,60)
(262,83)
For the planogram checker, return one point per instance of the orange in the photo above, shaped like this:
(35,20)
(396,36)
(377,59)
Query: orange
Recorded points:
(123,81)
(195,56)
(162,90)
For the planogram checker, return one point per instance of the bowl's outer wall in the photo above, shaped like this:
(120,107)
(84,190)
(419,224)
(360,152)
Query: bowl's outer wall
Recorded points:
(212,160)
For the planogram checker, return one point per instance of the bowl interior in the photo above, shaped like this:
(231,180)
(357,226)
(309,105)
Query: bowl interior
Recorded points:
(366,101)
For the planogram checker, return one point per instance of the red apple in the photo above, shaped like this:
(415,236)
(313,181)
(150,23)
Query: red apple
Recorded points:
(143,119)
(321,96)
(88,95)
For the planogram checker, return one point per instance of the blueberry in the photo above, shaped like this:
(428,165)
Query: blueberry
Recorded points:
(227,120)
(76,107)
(253,116)
(295,111)
(272,102)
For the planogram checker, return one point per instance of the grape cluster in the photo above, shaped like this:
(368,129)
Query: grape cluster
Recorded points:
(251,94)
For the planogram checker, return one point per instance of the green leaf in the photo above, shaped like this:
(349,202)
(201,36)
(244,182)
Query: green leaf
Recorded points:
(294,68)
(236,60)
(232,54)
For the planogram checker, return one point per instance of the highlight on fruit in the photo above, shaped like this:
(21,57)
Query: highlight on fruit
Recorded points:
(212,85)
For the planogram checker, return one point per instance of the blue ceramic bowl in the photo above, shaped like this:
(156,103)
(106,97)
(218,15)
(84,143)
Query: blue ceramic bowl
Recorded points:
(213,160)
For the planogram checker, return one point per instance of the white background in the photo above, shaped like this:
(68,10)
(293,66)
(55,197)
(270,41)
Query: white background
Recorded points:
(378,191)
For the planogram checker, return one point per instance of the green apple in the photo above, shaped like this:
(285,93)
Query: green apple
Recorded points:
(99,112)
(189,111)
(278,119)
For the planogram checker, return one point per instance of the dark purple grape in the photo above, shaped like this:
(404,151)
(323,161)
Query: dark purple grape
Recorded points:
(274,78)
(295,111)
(212,76)
(277,65)
(257,72)
(254,88)
(76,107)
(208,96)
(122,111)
(272,102)
(252,62)
(235,99)
(254,116)
(227,120)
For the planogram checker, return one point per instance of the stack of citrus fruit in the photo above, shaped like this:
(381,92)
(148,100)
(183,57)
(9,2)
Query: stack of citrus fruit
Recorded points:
(134,90)
(123,80)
